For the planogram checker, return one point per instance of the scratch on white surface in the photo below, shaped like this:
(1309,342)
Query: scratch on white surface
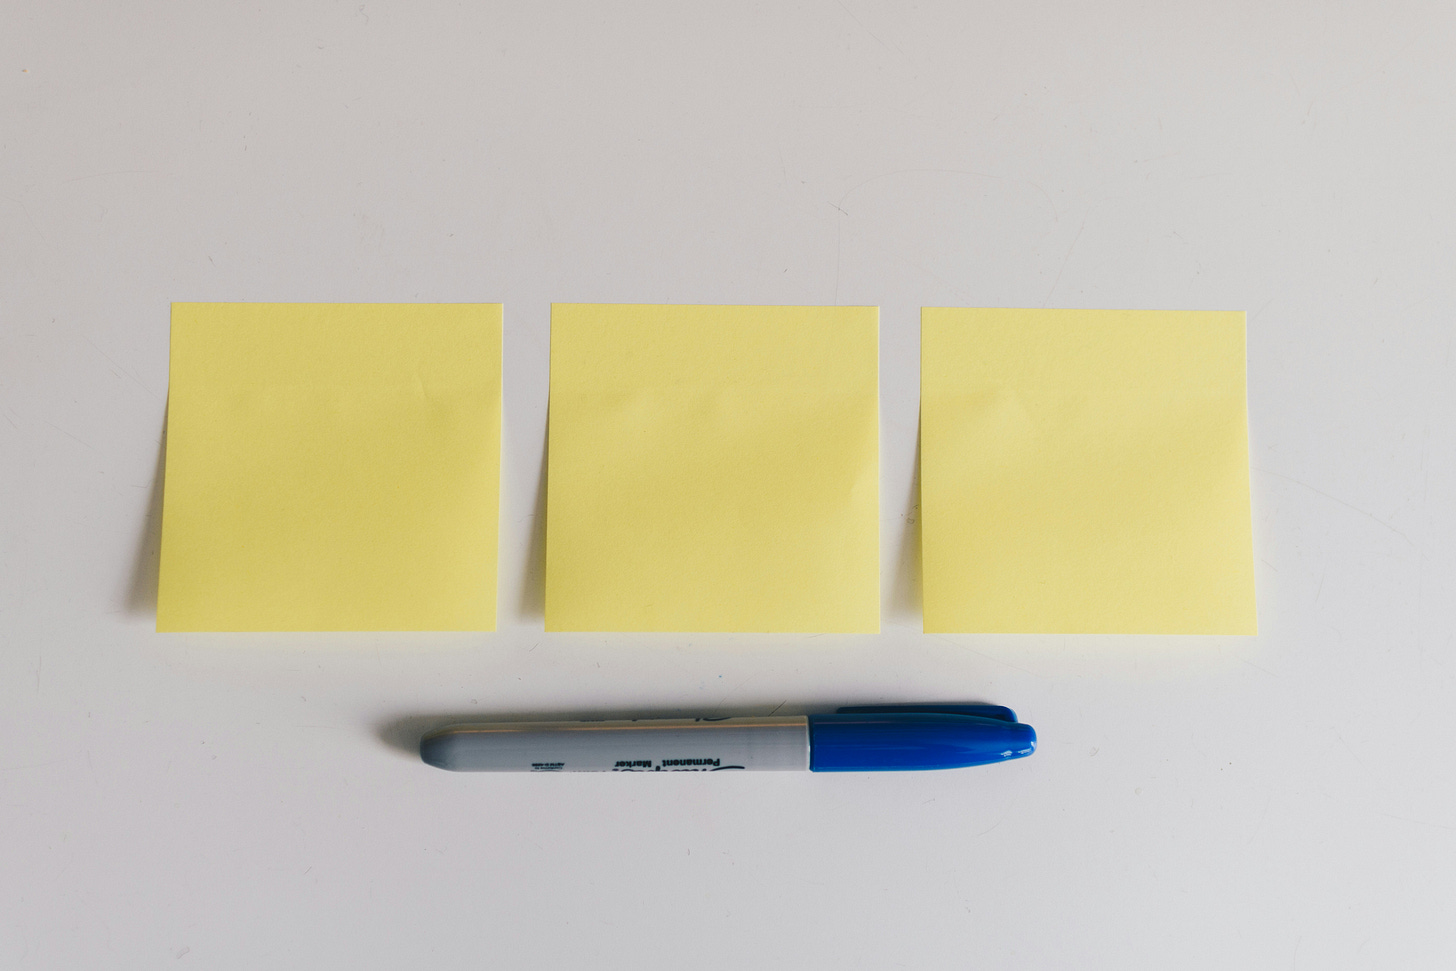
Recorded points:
(989,657)
(993,826)
(1336,499)
(1065,260)
(31,765)
(1420,822)
(34,225)
(124,369)
(1262,816)
(67,434)
(838,250)
(876,36)
(1257,668)
(1056,216)
(105,175)
(1341,739)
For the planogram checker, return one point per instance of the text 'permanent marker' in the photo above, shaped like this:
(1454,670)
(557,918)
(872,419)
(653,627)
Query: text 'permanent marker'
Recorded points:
(860,739)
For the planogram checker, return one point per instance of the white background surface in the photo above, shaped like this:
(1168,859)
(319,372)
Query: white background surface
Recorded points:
(248,801)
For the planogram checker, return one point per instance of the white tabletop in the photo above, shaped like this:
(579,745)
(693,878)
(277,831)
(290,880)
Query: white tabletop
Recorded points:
(249,801)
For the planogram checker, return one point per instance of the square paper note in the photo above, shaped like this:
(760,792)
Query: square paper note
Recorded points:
(713,469)
(331,467)
(1085,471)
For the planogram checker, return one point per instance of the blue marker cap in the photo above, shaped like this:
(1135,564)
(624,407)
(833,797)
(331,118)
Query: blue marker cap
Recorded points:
(899,737)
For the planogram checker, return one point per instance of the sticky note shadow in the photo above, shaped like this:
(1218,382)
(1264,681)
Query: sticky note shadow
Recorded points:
(906,594)
(533,586)
(141,595)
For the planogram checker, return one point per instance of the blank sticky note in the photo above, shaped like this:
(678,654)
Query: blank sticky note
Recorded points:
(713,469)
(331,467)
(1085,471)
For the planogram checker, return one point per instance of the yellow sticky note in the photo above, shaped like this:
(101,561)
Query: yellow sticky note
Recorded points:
(1085,471)
(331,467)
(713,469)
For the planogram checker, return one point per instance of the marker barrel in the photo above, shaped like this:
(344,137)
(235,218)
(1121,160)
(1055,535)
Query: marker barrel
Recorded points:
(665,745)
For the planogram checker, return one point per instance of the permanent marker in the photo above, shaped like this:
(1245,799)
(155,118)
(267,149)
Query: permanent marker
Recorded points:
(857,739)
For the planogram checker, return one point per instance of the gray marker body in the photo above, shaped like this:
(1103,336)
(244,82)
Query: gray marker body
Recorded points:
(666,745)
